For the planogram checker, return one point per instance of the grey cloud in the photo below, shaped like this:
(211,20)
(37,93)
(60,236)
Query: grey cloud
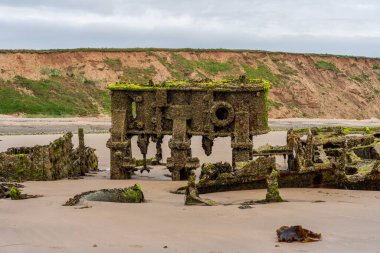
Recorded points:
(320,26)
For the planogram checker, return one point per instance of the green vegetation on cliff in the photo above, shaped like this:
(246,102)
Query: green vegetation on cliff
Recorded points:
(51,97)
(326,66)
(181,68)
(71,82)
(262,72)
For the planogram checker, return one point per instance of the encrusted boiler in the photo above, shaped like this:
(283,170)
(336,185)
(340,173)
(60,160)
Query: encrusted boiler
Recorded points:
(182,109)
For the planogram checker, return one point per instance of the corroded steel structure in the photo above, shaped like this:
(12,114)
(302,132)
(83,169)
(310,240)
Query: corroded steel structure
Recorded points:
(182,109)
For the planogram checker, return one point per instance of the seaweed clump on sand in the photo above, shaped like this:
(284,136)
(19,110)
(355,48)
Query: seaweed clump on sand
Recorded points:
(131,194)
(296,234)
(12,191)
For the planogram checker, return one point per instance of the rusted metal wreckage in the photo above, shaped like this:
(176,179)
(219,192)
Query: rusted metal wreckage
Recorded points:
(333,157)
(330,157)
(211,109)
(54,161)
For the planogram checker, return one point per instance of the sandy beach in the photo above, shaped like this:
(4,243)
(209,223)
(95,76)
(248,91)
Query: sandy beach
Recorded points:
(347,220)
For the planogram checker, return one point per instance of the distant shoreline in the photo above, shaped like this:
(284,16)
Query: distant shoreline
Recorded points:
(10,125)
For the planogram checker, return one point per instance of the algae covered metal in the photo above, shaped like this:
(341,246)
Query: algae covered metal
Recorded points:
(182,109)
(334,157)
(54,161)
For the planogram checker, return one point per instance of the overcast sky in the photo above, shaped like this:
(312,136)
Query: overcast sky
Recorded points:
(349,27)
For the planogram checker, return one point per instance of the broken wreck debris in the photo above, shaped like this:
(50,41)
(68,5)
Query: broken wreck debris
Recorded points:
(131,194)
(192,195)
(48,162)
(333,157)
(12,191)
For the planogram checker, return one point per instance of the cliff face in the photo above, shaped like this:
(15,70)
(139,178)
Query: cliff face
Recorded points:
(72,82)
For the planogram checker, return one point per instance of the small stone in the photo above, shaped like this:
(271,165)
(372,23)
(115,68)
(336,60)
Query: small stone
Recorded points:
(94,245)
(245,206)
(165,247)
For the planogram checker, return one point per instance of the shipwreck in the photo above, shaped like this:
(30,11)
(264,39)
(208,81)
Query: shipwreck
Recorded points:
(182,109)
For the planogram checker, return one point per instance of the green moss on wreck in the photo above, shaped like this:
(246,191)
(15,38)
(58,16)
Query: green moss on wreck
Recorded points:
(132,195)
(259,84)
(324,131)
(134,109)
(273,193)
(265,109)
(365,168)
(349,130)
(15,193)
(149,161)
(21,156)
(353,158)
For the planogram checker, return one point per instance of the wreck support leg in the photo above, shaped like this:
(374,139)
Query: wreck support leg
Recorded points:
(122,163)
(179,145)
(241,142)
(81,149)
(159,150)
(180,163)
(142,143)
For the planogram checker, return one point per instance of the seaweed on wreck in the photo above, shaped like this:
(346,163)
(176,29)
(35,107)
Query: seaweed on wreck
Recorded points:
(333,157)
(192,196)
(184,108)
(54,161)
(132,194)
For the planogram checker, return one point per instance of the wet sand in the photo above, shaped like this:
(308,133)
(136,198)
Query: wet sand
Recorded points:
(21,125)
(348,220)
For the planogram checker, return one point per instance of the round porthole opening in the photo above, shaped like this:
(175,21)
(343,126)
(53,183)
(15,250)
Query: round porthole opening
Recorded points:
(222,114)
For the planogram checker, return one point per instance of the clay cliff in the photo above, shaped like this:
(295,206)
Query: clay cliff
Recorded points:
(72,82)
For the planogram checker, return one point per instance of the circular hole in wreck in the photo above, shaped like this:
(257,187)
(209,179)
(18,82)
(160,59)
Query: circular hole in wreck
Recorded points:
(222,113)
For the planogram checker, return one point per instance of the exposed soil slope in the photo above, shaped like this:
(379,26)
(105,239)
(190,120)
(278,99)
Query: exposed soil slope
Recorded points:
(73,82)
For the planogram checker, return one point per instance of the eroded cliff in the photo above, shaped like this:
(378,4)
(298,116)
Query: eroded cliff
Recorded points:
(72,82)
